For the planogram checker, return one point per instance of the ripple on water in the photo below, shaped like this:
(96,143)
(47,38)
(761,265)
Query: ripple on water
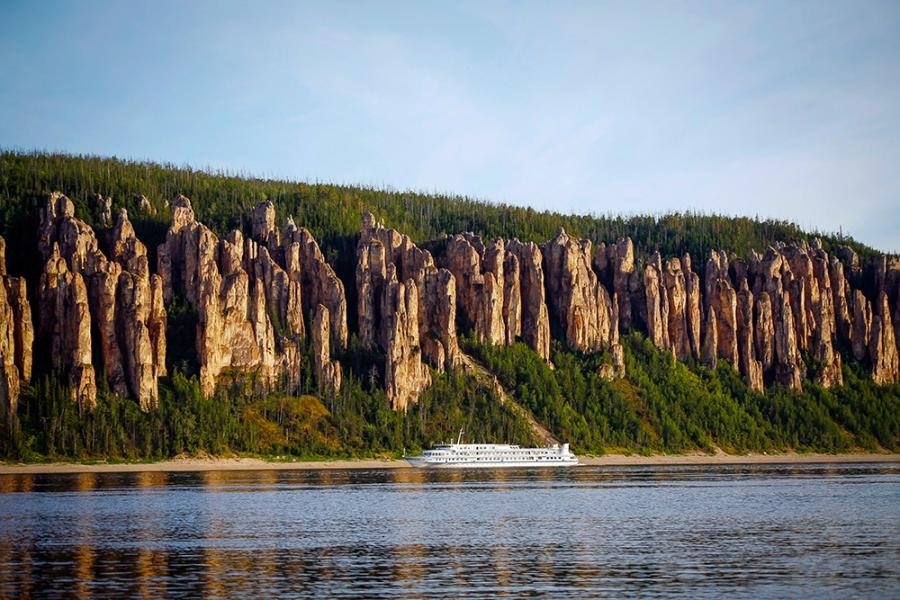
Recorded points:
(761,531)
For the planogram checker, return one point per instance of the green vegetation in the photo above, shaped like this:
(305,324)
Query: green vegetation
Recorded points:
(356,423)
(661,406)
(332,212)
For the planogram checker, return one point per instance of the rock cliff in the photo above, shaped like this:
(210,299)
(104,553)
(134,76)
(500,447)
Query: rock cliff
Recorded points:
(249,305)
(328,372)
(121,304)
(776,317)
(16,336)
(535,326)
(407,307)
(579,303)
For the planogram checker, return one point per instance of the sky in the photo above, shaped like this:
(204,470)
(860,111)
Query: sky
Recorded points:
(788,110)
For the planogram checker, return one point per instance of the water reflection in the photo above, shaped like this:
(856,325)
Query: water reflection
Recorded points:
(703,531)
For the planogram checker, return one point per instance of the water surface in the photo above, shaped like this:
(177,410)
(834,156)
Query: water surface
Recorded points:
(753,531)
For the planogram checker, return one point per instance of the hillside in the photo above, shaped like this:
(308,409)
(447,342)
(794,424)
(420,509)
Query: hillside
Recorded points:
(226,313)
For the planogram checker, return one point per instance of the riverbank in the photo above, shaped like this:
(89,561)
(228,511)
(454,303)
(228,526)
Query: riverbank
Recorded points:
(255,464)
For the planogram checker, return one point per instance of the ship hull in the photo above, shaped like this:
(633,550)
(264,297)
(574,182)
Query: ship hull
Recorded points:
(426,464)
(492,456)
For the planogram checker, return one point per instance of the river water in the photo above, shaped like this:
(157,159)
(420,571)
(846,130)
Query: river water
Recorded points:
(740,531)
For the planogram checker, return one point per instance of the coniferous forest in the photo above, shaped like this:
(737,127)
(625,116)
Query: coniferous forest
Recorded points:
(660,405)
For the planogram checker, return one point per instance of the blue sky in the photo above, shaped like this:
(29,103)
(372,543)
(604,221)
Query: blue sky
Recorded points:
(786,109)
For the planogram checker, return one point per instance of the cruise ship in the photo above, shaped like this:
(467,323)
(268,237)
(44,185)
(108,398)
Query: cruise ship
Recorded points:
(467,456)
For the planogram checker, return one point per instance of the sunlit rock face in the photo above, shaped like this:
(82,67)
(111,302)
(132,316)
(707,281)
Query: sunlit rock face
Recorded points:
(535,325)
(16,336)
(122,302)
(778,317)
(251,295)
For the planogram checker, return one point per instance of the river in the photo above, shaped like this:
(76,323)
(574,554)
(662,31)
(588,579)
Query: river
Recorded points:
(698,531)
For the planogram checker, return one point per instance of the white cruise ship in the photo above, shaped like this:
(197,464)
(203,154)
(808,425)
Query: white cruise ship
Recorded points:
(467,456)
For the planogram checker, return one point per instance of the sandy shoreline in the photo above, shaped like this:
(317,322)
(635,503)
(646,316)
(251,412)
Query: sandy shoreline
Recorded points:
(254,464)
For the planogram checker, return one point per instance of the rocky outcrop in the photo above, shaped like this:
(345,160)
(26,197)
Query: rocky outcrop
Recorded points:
(767,311)
(616,268)
(479,275)
(120,294)
(16,336)
(840,289)
(512,298)
(775,317)
(580,304)
(764,333)
(378,249)
(102,209)
(747,361)
(882,343)
(408,307)
(679,330)
(656,307)
(693,315)
(319,283)
(535,316)
(233,327)
(788,367)
(710,352)
(328,372)
(405,375)
(144,205)
(824,319)
(262,226)
(65,327)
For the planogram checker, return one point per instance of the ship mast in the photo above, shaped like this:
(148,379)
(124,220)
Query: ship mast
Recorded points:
(459,438)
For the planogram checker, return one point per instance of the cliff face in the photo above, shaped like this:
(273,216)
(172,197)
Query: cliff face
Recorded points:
(239,286)
(776,317)
(407,307)
(113,292)
(16,336)
(578,301)
(762,314)
(535,327)
(328,372)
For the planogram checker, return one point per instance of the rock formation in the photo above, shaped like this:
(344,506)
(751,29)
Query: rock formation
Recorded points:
(380,248)
(749,365)
(319,283)
(102,209)
(16,336)
(616,267)
(779,316)
(722,299)
(535,316)
(65,327)
(512,298)
(262,226)
(144,205)
(673,280)
(693,314)
(580,304)
(122,304)
(882,343)
(328,372)
(767,311)
(479,275)
(656,305)
(233,327)
(406,376)
(776,346)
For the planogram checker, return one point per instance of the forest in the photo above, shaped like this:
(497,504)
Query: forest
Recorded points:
(661,406)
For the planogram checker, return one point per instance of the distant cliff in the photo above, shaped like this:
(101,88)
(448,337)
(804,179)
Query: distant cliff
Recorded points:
(775,316)
(102,284)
